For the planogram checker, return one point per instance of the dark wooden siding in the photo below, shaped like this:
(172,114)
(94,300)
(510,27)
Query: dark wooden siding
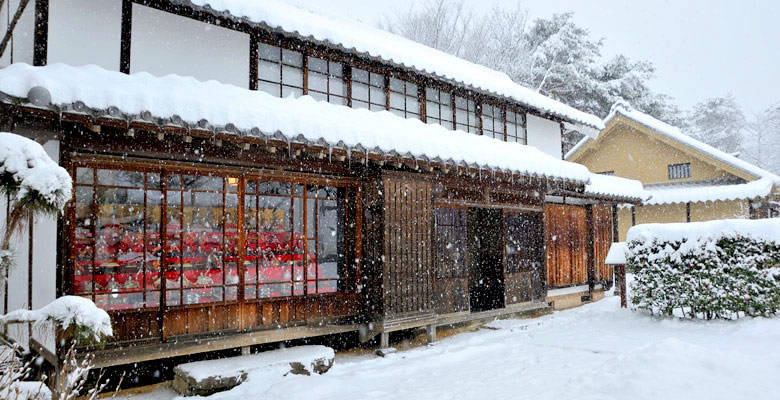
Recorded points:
(602,240)
(450,260)
(567,241)
(524,275)
(408,270)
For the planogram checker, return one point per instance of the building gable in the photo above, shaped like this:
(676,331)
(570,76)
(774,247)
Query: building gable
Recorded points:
(632,150)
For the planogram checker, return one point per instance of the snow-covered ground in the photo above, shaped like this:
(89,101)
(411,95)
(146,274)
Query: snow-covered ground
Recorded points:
(597,351)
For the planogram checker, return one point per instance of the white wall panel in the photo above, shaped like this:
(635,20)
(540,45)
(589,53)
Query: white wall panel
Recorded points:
(21,45)
(85,32)
(545,135)
(164,43)
(44,268)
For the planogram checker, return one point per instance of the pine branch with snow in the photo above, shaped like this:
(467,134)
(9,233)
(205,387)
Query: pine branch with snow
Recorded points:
(34,184)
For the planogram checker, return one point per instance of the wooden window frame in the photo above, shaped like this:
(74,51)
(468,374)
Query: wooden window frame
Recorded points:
(450,111)
(477,126)
(522,126)
(329,77)
(406,112)
(383,101)
(282,46)
(353,245)
(463,270)
(499,115)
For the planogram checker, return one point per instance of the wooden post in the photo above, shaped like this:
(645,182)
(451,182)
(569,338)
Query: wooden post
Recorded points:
(431,331)
(384,340)
(621,273)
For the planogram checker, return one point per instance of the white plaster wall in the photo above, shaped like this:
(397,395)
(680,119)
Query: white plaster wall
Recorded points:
(544,134)
(44,268)
(163,43)
(24,33)
(85,32)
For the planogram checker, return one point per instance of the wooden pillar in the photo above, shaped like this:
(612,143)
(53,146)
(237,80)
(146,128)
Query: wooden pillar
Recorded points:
(590,243)
(384,340)
(621,273)
(430,330)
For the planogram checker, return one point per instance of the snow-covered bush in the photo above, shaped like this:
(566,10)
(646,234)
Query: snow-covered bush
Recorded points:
(34,184)
(715,269)
(79,318)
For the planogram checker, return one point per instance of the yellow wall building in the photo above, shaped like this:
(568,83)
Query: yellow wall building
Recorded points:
(686,180)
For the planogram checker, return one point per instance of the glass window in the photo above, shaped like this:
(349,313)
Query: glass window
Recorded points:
(492,121)
(368,90)
(279,71)
(133,240)
(294,239)
(404,99)
(524,240)
(515,127)
(466,115)
(450,242)
(116,237)
(438,108)
(326,81)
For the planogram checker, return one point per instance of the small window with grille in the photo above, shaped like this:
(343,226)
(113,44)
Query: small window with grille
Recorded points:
(679,171)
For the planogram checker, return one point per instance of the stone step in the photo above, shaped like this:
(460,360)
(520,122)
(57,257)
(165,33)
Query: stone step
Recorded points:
(203,378)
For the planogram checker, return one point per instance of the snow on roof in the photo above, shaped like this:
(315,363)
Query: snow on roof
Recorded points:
(26,163)
(364,39)
(764,229)
(616,254)
(256,113)
(697,194)
(672,132)
(607,185)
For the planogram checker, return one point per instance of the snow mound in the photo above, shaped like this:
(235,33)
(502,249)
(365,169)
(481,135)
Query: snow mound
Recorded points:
(694,232)
(233,366)
(220,104)
(26,164)
(66,311)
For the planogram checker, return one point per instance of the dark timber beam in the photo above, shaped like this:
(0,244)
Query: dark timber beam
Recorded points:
(127,29)
(9,34)
(41,34)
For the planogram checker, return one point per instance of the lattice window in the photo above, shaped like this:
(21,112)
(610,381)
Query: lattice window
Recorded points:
(279,71)
(679,171)
(439,108)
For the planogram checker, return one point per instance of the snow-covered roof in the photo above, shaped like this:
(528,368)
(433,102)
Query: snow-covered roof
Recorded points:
(613,186)
(676,134)
(356,37)
(26,164)
(696,194)
(766,229)
(616,254)
(195,104)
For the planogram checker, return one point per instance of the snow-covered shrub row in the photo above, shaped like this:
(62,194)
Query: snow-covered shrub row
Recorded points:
(716,269)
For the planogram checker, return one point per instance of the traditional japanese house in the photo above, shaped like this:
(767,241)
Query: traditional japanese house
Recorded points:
(686,180)
(250,172)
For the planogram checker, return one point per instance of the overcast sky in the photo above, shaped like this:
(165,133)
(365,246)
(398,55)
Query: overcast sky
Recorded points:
(700,48)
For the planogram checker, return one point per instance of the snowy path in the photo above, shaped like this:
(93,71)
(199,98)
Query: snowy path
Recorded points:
(597,351)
